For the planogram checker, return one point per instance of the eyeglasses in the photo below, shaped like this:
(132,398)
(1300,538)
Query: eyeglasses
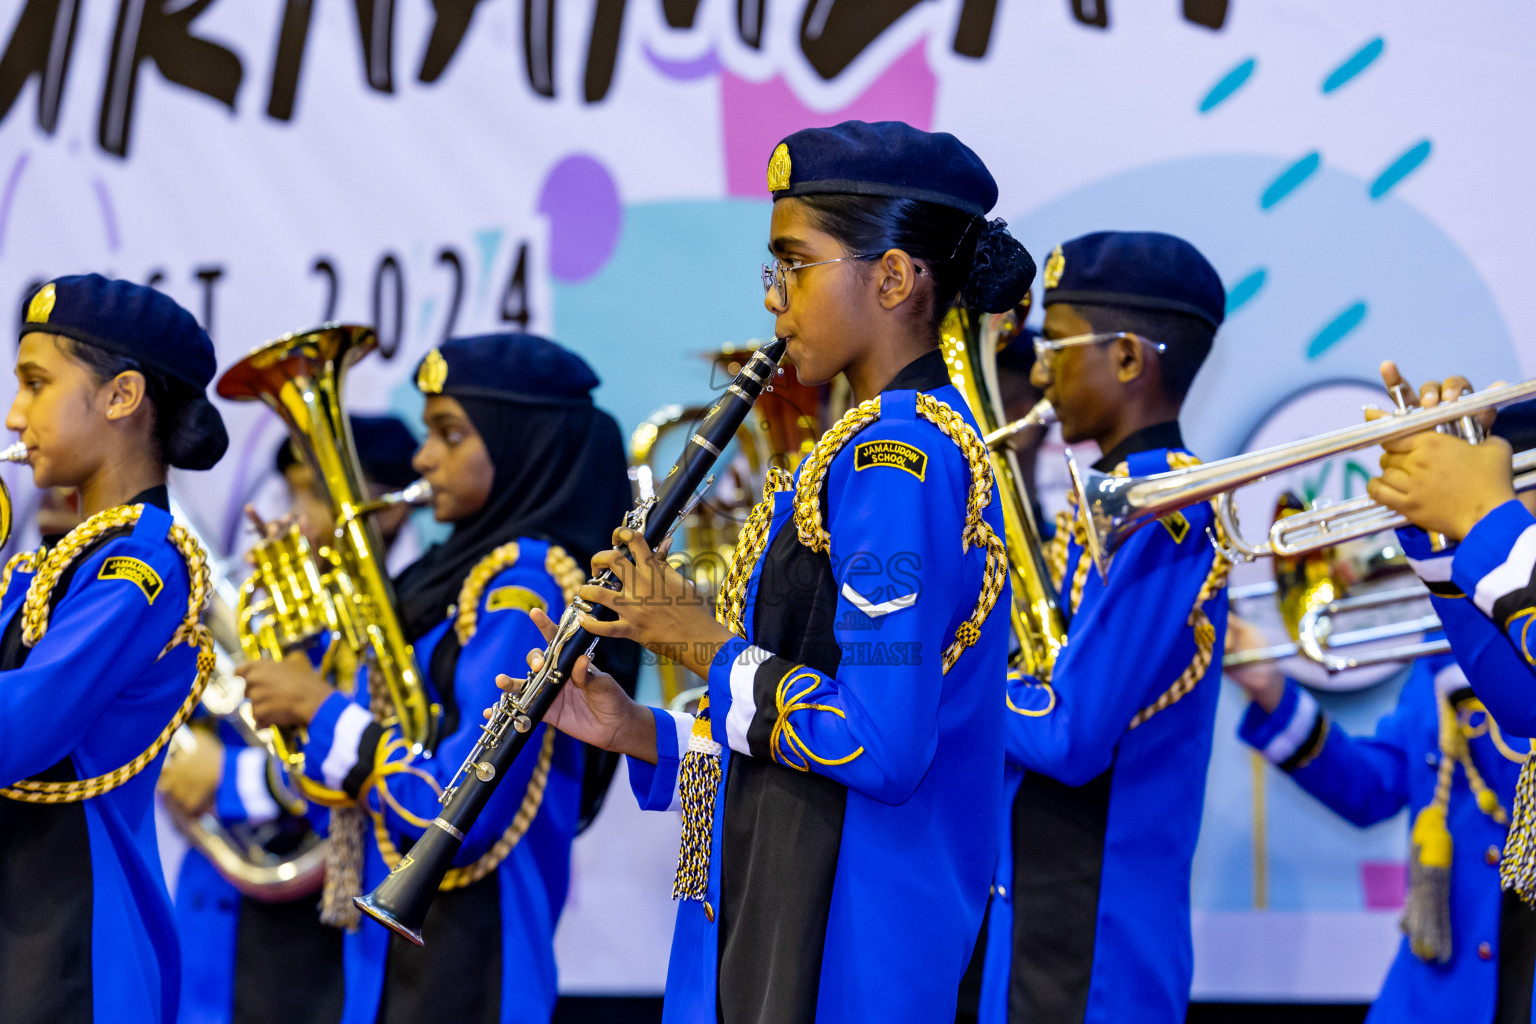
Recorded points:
(776,274)
(1046,348)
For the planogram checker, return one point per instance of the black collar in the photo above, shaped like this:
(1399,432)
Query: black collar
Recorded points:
(925,373)
(157,496)
(1158,435)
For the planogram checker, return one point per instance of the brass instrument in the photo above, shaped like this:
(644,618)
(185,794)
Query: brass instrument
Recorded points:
(1038,623)
(239,853)
(15,453)
(783,428)
(296,595)
(1116,506)
(1314,591)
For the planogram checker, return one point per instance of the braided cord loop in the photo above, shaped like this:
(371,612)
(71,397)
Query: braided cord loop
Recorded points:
(731,603)
(192,632)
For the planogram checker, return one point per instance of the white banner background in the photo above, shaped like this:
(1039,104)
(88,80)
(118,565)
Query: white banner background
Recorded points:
(638,217)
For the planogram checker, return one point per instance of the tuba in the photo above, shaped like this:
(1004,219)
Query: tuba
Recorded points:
(296,595)
(1038,623)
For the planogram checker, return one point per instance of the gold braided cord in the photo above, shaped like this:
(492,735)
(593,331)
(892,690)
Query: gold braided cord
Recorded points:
(567,575)
(487,862)
(1056,548)
(976,532)
(25,561)
(815,467)
(1517,871)
(1205,632)
(698,786)
(565,571)
(474,586)
(191,632)
(731,602)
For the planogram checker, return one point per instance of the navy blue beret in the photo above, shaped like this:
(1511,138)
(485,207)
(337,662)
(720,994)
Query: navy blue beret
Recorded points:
(127,319)
(385,447)
(1138,270)
(886,158)
(510,367)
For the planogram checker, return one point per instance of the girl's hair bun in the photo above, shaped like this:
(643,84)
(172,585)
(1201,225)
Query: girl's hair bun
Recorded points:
(196,438)
(1001,273)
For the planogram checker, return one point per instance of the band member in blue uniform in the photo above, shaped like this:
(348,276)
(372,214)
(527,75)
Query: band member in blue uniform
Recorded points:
(1468,951)
(103,654)
(1089,919)
(532,476)
(840,785)
(247,958)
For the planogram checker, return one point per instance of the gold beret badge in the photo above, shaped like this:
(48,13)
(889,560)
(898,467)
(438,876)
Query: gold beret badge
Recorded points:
(41,306)
(1054,267)
(778,169)
(433,373)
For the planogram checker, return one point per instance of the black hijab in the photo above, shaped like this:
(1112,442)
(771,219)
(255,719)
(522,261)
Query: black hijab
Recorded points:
(561,476)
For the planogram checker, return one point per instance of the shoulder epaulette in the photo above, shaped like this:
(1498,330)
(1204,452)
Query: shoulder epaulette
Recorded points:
(561,567)
(1205,631)
(35,611)
(813,477)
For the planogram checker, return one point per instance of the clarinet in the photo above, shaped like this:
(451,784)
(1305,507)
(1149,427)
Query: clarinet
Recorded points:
(400,902)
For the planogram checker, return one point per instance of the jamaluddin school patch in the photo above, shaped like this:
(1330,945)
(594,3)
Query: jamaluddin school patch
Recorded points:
(503,598)
(134,571)
(1176,525)
(890,453)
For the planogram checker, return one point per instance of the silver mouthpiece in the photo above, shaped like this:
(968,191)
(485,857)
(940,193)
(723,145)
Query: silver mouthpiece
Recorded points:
(1042,415)
(418,493)
(15,453)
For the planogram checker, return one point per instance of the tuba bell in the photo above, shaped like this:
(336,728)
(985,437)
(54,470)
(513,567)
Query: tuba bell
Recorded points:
(15,453)
(296,595)
(1038,622)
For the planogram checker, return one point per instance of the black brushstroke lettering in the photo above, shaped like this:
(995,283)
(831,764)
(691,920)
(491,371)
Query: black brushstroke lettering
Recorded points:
(156,278)
(539,45)
(1091,12)
(603,50)
(292,37)
(1210,13)
(973,34)
(679,13)
(161,30)
(448,31)
(376,35)
(749,21)
(209,276)
(41,45)
(834,32)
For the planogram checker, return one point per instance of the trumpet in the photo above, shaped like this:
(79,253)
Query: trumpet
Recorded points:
(15,453)
(1116,506)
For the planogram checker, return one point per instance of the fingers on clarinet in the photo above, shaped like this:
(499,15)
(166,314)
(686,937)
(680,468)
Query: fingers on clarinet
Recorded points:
(545,624)
(535,659)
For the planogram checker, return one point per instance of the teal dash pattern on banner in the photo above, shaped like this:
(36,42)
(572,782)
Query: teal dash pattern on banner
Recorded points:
(1400,168)
(1335,330)
(1230,82)
(1290,179)
(1353,65)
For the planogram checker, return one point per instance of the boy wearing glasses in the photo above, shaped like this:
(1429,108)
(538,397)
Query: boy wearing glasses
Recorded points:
(1106,760)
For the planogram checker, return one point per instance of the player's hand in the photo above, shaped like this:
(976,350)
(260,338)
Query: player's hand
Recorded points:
(1262,681)
(592,707)
(190,779)
(284,693)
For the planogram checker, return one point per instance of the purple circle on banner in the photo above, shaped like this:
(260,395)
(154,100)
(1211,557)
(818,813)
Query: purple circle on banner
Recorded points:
(582,203)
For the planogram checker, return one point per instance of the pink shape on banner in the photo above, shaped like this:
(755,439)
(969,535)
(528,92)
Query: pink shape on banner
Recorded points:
(1385,883)
(585,216)
(757,115)
(684,70)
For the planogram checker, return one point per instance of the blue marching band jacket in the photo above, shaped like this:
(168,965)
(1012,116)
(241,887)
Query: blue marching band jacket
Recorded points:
(490,933)
(1105,777)
(1442,757)
(840,787)
(1484,591)
(103,657)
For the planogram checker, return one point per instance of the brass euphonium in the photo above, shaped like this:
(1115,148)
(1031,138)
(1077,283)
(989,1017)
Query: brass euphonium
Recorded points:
(297,595)
(1039,625)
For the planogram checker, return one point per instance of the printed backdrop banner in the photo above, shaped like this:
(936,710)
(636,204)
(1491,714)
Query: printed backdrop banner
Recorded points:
(594,169)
